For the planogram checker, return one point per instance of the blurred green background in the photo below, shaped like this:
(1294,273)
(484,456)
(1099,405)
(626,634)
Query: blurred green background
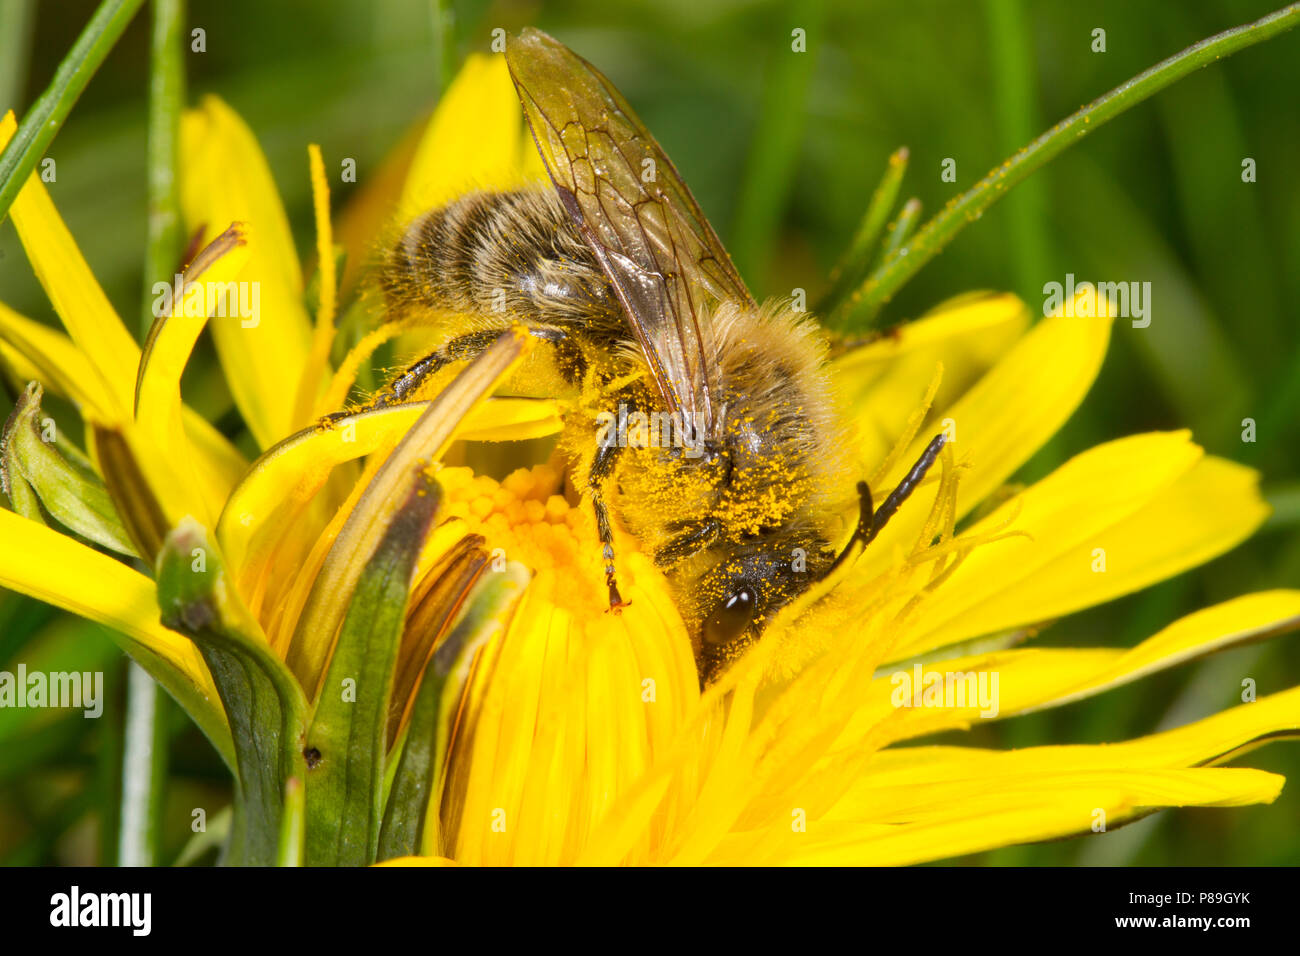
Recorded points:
(782,152)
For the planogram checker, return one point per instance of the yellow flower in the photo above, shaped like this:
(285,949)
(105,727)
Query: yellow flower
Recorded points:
(583,736)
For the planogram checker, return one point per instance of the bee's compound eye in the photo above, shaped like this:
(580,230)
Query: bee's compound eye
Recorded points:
(731,617)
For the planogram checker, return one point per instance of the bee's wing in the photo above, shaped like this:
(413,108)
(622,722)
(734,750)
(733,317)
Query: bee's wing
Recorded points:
(652,241)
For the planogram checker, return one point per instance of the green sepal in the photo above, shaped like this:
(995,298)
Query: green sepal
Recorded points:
(346,741)
(36,463)
(264,704)
(486,613)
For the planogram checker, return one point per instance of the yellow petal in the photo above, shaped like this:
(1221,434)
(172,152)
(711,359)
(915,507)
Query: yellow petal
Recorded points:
(51,358)
(272,495)
(420,448)
(224,179)
(475,140)
(564,729)
(53,568)
(926,803)
(512,419)
(883,382)
(1002,420)
(158,407)
(995,813)
(76,296)
(1212,740)
(101,338)
(270,500)
(1111,521)
(1252,617)
(221,463)
(957,799)
(1021,681)
(57,363)
(315,375)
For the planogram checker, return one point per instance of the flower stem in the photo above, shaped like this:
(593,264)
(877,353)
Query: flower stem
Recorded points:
(859,311)
(166,241)
(47,114)
(144,753)
(292,828)
(144,767)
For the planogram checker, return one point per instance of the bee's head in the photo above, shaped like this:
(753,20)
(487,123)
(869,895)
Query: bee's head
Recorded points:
(737,596)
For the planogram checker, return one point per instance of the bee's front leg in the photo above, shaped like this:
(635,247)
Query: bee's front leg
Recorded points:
(690,541)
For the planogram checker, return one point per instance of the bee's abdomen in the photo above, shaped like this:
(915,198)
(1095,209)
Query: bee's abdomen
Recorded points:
(489,253)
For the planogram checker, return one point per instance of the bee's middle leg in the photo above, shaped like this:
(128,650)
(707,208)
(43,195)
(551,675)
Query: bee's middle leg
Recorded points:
(601,468)
(461,348)
(464,348)
(470,346)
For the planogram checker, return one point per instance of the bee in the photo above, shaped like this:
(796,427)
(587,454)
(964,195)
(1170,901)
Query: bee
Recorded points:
(613,265)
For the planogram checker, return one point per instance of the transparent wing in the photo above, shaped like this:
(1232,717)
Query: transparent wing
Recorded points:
(661,255)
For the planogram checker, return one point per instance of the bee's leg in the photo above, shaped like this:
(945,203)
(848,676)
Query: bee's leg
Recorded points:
(601,467)
(688,543)
(464,348)
(872,520)
(905,487)
(570,359)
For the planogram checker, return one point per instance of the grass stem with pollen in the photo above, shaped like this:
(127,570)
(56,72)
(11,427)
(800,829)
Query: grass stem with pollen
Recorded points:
(859,311)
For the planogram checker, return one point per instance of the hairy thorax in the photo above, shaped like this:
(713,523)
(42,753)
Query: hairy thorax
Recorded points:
(758,499)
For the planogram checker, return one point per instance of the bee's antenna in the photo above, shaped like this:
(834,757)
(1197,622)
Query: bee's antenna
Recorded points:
(871,520)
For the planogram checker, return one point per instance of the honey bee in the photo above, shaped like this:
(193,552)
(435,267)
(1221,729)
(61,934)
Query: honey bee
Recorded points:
(614,266)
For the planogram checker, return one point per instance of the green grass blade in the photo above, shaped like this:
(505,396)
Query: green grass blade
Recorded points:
(45,118)
(856,260)
(1012,69)
(144,770)
(774,152)
(862,307)
(166,238)
(902,228)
